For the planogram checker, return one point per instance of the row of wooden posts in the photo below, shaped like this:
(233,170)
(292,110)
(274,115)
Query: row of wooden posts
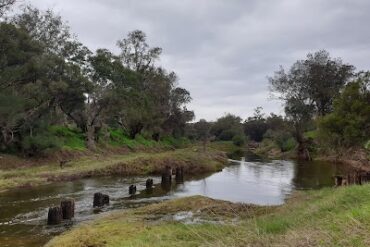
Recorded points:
(352,179)
(66,210)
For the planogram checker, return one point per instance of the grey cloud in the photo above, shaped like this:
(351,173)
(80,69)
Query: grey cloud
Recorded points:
(222,50)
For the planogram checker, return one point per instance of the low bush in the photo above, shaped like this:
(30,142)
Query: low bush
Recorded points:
(33,145)
(239,140)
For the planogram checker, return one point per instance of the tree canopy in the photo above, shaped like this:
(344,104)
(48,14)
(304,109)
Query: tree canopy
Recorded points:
(47,77)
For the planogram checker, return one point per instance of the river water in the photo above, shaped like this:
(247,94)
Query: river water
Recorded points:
(23,212)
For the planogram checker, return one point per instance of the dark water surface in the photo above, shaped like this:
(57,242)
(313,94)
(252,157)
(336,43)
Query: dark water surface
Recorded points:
(23,212)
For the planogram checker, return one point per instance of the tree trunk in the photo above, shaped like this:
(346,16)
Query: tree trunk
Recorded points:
(90,137)
(303,153)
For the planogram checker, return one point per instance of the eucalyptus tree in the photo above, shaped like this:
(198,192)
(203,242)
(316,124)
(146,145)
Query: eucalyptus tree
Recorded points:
(69,78)
(158,105)
(136,53)
(309,88)
(24,83)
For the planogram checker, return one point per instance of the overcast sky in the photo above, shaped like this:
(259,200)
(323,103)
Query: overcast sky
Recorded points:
(223,50)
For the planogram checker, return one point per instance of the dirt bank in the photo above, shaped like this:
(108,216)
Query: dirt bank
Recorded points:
(192,159)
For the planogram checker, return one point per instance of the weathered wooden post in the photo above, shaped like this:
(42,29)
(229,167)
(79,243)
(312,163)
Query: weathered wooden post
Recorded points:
(100,200)
(55,216)
(68,208)
(338,181)
(149,183)
(167,175)
(179,174)
(105,199)
(359,178)
(132,190)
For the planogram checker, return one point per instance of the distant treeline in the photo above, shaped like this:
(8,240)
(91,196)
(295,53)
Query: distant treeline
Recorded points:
(327,106)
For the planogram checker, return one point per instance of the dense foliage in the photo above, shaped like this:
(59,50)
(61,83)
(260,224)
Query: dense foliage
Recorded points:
(308,90)
(48,78)
(349,123)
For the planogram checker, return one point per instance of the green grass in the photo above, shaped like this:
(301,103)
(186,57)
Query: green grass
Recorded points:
(327,217)
(72,139)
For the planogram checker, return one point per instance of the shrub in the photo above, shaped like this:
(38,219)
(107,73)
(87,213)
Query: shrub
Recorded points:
(239,140)
(33,145)
(285,141)
(175,142)
(228,135)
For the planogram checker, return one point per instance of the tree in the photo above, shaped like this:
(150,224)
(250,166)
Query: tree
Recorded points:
(136,53)
(202,129)
(300,113)
(19,73)
(317,80)
(5,5)
(49,29)
(308,89)
(160,105)
(255,127)
(349,123)
(48,77)
(179,115)
(226,127)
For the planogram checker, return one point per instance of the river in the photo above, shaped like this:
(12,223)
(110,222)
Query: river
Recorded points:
(23,212)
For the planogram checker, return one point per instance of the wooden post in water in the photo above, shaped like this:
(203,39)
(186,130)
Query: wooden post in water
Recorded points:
(100,200)
(167,175)
(105,199)
(132,190)
(55,216)
(179,174)
(68,208)
(149,183)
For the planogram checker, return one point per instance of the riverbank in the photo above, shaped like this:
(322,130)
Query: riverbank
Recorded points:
(327,217)
(355,158)
(358,159)
(192,159)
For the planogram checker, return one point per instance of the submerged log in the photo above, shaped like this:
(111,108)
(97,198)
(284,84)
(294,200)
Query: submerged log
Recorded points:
(55,216)
(167,175)
(68,208)
(149,183)
(100,200)
(132,190)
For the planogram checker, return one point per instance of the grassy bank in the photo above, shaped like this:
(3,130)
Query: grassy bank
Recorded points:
(328,217)
(134,163)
